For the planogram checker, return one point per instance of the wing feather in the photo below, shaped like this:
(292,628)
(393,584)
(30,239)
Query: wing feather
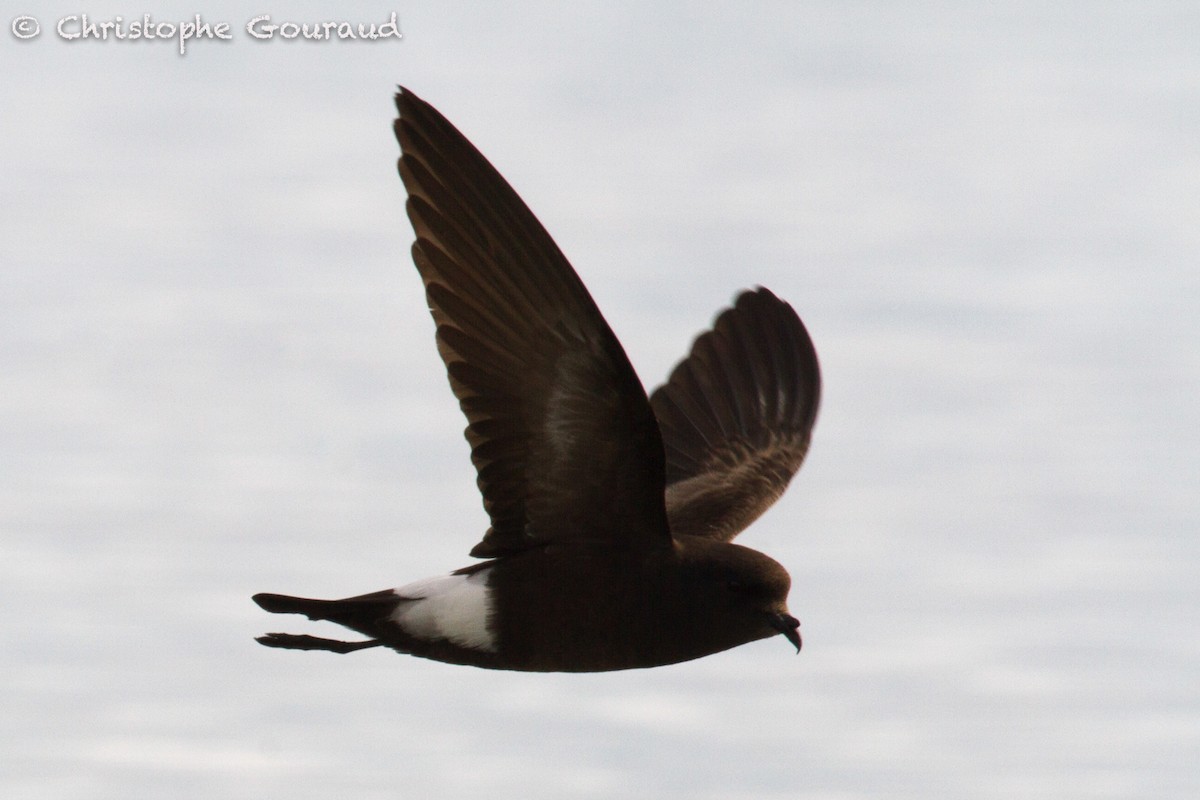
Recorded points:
(736,417)
(562,436)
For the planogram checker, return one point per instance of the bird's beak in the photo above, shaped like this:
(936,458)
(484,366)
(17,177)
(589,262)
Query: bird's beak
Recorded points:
(789,626)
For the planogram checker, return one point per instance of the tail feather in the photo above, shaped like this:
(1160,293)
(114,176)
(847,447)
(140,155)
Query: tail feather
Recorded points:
(285,604)
(362,614)
(292,641)
(352,612)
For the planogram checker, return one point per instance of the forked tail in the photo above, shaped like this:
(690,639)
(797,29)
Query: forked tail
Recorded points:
(357,613)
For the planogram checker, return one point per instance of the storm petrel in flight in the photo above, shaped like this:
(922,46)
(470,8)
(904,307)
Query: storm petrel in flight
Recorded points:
(612,513)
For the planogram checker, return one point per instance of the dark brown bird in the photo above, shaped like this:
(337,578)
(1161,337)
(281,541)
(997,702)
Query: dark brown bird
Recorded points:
(612,514)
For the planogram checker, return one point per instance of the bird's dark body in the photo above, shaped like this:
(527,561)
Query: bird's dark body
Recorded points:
(602,608)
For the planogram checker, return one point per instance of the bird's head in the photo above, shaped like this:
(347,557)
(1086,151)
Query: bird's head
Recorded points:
(740,594)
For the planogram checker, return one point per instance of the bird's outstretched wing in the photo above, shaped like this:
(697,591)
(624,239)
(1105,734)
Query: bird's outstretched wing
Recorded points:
(561,433)
(736,417)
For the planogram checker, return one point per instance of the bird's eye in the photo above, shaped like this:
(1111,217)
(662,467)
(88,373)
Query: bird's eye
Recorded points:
(733,586)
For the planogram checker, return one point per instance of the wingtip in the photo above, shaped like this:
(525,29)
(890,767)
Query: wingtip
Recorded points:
(761,297)
(407,103)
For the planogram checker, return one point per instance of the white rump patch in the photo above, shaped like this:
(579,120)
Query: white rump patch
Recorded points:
(457,608)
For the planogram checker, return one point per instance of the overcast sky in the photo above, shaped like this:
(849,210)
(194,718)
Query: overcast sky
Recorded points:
(217,377)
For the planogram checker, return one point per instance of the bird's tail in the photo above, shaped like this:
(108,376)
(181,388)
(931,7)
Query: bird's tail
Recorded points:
(357,613)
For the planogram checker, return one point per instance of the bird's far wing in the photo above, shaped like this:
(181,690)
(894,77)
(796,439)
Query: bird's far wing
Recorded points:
(561,432)
(736,416)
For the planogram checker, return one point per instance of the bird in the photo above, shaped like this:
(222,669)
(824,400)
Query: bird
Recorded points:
(612,512)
